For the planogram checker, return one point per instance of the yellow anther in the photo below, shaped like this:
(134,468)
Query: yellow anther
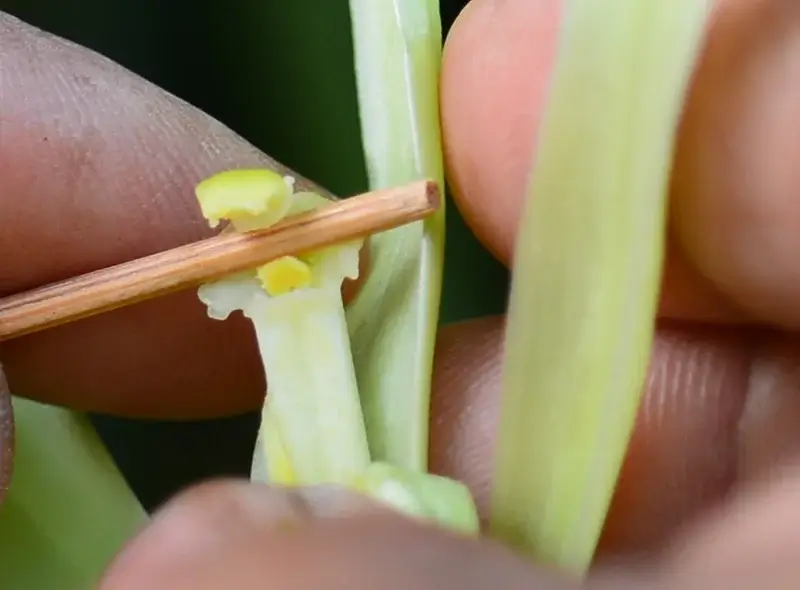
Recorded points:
(284,275)
(242,194)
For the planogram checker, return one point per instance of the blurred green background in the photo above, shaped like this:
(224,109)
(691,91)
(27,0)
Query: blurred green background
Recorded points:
(279,72)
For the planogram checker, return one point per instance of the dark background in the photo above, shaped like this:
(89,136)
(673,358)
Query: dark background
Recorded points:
(279,72)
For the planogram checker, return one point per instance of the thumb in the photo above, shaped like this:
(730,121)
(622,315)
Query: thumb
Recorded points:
(249,536)
(735,199)
(736,189)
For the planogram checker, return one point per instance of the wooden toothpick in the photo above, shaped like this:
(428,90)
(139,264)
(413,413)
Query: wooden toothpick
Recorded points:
(199,262)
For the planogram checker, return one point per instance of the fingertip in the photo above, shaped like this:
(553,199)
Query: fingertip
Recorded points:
(735,214)
(496,64)
(735,206)
(240,535)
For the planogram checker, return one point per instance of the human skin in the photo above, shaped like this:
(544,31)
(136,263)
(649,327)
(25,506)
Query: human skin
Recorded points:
(708,491)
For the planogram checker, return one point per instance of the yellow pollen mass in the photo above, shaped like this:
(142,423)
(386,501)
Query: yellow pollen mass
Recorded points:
(240,194)
(284,275)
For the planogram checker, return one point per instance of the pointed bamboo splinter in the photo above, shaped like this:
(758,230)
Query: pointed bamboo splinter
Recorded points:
(190,265)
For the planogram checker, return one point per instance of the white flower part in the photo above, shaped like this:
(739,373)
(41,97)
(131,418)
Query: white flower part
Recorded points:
(313,394)
(335,264)
(330,266)
(230,294)
(304,344)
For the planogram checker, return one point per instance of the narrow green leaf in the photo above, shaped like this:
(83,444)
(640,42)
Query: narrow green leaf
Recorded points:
(68,510)
(394,318)
(587,270)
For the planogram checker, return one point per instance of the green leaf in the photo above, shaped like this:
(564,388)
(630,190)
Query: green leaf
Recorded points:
(394,318)
(68,510)
(587,270)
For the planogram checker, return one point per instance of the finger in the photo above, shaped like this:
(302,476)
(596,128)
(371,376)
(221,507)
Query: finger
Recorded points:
(735,179)
(720,407)
(253,537)
(489,130)
(736,190)
(99,167)
(750,543)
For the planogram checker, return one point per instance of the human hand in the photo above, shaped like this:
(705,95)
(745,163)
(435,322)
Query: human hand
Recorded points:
(719,409)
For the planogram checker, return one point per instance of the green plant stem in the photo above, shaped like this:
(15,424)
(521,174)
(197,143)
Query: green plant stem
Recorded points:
(394,318)
(587,270)
(302,337)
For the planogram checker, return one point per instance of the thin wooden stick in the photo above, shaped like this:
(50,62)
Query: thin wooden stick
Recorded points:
(199,262)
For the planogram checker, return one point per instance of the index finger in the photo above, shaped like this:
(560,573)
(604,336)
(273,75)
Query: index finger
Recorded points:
(99,167)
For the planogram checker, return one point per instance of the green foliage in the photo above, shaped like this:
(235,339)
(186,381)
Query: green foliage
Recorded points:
(61,463)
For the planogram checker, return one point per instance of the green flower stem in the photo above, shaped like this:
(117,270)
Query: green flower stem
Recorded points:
(394,318)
